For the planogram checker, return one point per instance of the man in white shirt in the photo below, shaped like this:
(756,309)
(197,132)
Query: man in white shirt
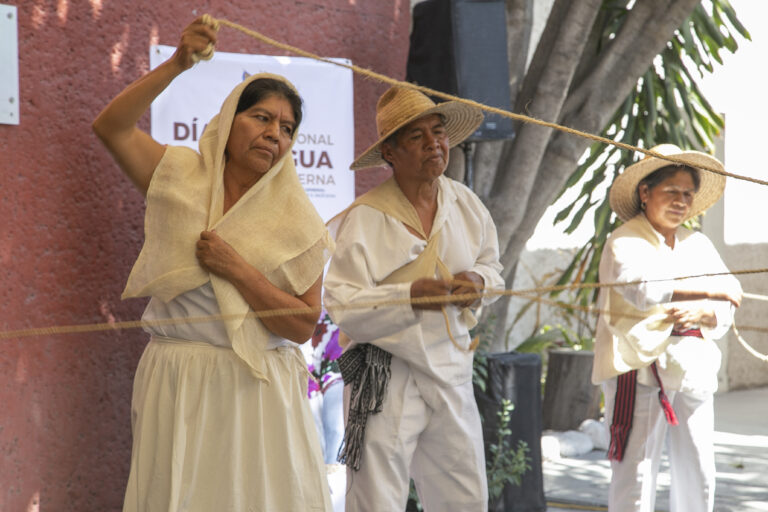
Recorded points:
(412,412)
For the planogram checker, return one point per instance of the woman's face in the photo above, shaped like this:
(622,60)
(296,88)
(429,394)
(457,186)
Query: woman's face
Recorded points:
(261,135)
(668,203)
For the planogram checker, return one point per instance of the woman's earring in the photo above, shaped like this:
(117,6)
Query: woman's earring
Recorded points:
(642,206)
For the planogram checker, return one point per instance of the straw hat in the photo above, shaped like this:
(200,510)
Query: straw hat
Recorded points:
(400,105)
(626,202)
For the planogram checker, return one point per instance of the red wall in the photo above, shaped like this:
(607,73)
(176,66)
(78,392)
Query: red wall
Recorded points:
(72,224)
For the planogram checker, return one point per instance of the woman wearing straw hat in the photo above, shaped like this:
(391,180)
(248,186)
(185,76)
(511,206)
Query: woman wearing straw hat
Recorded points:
(220,417)
(655,352)
(408,372)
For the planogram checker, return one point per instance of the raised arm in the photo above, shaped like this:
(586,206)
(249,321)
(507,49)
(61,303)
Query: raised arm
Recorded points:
(134,150)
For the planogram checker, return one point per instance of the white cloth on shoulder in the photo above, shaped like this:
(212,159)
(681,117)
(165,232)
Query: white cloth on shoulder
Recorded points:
(186,196)
(220,418)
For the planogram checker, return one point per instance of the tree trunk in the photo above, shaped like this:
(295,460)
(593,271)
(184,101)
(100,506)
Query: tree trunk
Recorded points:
(575,82)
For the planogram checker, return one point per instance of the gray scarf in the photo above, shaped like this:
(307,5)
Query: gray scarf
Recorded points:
(366,369)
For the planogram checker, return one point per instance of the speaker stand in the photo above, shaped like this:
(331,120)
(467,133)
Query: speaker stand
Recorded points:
(469,170)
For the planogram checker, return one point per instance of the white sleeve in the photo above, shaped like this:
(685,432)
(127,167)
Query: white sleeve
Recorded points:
(724,314)
(726,283)
(349,282)
(637,260)
(487,264)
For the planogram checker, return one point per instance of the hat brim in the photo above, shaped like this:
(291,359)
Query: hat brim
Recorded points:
(461,121)
(626,203)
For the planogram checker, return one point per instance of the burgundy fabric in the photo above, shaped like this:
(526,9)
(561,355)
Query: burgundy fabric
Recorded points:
(695,333)
(624,404)
(623,410)
(669,412)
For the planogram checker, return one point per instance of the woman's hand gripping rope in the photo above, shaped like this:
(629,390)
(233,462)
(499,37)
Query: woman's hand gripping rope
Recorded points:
(204,28)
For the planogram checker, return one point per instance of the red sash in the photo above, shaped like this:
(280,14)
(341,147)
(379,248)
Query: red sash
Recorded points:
(624,405)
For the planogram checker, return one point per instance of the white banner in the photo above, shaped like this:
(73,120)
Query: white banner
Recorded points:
(325,144)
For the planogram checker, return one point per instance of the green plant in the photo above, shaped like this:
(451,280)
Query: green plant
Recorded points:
(413,500)
(484,332)
(550,336)
(505,465)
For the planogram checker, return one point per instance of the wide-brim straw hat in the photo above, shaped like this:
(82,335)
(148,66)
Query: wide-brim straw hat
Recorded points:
(398,106)
(625,200)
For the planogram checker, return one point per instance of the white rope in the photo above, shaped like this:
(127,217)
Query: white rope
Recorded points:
(742,341)
(747,346)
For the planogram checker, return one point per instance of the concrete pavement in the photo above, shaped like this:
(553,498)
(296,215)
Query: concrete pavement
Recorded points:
(741,455)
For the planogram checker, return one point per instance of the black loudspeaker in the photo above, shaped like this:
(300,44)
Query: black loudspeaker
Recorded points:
(460,47)
(516,377)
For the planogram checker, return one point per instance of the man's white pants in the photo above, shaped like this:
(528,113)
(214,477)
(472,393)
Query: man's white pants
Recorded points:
(690,447)
(427,432)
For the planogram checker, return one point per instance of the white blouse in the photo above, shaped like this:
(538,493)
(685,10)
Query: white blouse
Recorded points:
(688,364)
(199,302)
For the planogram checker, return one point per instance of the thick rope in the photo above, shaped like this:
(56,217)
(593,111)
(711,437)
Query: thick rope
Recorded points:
(747,346)
(505,113)
(472,345)
(208,53)
(270,313)
(595,310)
(755,296)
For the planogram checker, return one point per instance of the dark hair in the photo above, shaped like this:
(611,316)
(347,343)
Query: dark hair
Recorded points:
(392,141)
(261,88)
(660,175)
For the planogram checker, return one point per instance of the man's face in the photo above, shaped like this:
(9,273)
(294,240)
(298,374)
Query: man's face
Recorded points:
(421,152)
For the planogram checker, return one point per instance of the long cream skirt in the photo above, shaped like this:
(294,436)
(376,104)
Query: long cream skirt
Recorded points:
(208,436)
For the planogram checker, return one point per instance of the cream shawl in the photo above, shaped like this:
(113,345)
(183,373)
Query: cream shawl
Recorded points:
(273,226)
(639,337)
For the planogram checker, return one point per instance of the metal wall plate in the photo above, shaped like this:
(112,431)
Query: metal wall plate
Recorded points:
(9,65)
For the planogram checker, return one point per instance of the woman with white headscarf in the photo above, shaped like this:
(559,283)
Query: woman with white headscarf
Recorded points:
(219,414)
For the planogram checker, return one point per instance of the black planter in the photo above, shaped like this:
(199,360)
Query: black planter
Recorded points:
(516,377)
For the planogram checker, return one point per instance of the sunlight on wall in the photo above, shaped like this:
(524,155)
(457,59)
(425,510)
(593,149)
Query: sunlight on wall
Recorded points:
(96,8)
(38,15)
(154,36)
(116,55)
(34,502)
(62,9)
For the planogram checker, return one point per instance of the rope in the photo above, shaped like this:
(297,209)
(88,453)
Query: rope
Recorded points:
(594,310)
(505,113)
(208,53)
(530,293)
(747,346)
(472,345)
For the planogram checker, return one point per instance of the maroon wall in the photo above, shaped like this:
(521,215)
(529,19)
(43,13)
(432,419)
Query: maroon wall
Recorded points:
(72,224)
